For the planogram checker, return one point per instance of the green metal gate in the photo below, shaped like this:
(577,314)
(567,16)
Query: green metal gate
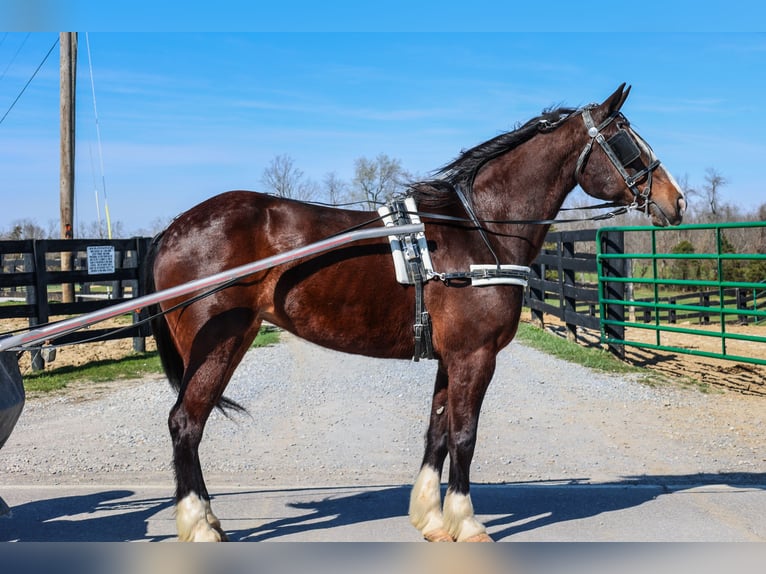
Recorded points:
(666,284)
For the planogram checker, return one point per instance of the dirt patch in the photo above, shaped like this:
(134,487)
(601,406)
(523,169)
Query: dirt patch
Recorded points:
(79,354)
(741,377)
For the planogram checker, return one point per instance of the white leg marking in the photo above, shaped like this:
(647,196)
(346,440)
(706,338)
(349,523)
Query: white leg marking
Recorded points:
(192,520)
(458,517)
(211,518)
(425,502)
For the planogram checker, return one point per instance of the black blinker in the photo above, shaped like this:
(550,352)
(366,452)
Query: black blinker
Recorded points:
(624,147)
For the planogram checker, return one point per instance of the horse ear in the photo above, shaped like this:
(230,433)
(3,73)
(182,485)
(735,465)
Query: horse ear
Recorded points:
(614,102)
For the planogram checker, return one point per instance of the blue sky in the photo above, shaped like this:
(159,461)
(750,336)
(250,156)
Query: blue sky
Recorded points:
(184,116)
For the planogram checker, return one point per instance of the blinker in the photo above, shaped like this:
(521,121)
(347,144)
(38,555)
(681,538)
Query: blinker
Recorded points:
(624,147)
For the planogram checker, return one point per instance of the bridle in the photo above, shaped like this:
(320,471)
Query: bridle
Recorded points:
(622,150)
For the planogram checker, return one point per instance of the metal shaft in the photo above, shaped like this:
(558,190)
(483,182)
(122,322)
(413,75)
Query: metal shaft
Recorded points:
(60,328)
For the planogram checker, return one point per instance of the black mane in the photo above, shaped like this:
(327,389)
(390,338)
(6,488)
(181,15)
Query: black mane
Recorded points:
(462,171)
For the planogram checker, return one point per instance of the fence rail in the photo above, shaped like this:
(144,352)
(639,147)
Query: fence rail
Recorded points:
(727,302)
(103,273)
(554,287)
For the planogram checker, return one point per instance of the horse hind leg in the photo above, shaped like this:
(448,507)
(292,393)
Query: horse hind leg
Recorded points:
(195,520)
(425,499)
(201,389)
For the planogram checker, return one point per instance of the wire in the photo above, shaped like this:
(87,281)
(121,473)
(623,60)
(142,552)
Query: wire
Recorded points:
(98,140)
(29,82)
(18,51)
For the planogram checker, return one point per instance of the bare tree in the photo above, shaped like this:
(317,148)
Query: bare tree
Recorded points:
(378,180)
(284,179)
(24,229)
(711,193)
(335,188)
(155,226)
(98,230)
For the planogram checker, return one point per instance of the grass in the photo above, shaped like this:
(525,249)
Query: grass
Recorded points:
(134,366)
(267,336)
(597,358)
(591,357)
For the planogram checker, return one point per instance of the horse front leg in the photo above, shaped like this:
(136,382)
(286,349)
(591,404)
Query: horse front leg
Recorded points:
(425,499)
(469,379)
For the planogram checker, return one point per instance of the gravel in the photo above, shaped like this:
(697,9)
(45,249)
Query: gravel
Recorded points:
(319,418)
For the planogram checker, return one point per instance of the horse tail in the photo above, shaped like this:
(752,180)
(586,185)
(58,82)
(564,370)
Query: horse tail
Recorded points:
(171,360)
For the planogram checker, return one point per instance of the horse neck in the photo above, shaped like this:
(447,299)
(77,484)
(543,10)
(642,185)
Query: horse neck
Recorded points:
(513,188)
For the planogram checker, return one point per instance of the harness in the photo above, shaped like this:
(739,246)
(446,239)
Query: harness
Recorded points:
(412,260)
(622,150)
(413,266)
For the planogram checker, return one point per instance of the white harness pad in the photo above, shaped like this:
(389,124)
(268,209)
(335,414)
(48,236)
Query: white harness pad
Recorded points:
(406,248)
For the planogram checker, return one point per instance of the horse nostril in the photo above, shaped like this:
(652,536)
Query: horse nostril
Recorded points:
(681,204)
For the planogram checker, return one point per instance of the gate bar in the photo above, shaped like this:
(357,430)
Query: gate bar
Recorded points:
(60,328)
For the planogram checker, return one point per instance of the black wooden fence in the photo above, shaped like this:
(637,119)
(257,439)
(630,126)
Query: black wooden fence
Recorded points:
(103,273)
(563,280)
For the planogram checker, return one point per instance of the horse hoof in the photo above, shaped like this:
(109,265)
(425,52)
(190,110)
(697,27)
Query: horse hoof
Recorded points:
(483,537)
(438,535)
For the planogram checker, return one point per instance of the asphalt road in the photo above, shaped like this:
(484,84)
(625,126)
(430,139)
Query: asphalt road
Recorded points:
(550,512)
(333,442)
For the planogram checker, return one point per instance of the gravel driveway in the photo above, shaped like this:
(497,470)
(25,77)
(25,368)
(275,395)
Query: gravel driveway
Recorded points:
(319,418)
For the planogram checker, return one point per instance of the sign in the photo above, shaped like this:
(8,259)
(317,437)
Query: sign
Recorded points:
(100,259)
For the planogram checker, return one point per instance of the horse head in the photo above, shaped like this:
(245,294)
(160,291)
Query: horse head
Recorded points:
(616,164)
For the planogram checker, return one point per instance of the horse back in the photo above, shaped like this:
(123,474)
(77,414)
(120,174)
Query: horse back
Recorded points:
(346,299)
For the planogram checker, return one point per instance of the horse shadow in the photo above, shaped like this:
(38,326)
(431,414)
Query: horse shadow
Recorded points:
(103,516)
(507,509)
(513,508)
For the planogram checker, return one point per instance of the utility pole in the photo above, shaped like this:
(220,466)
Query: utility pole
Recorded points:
(68,74)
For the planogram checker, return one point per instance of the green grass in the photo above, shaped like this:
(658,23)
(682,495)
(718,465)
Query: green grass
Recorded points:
(268,335)
(598,359)
(592,357)
(134,366)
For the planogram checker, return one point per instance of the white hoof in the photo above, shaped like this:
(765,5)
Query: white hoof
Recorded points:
(196,522)
(425,504)
(459,519)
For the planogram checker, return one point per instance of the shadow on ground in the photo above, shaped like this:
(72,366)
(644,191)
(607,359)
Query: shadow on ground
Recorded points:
(117,515)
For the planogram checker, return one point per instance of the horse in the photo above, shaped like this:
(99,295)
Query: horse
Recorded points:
(492,204)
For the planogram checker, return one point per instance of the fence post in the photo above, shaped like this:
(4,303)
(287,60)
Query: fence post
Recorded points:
(704,302)
(137,286)
(742,304)
(537,272)
(567,283)
(38,364)
(117,290)
(613,242)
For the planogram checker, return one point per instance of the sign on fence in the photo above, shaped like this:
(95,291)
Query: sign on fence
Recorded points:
(100,259)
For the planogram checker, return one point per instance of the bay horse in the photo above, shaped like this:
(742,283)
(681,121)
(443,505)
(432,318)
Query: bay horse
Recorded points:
(492,203)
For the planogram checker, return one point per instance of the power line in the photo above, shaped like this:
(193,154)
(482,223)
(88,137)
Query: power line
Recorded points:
(18,50)
(98,139)
(29,82)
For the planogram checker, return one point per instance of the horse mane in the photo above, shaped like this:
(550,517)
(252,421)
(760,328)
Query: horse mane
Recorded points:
(440,191)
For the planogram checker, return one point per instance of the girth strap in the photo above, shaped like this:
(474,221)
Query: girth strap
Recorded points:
(423,344)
